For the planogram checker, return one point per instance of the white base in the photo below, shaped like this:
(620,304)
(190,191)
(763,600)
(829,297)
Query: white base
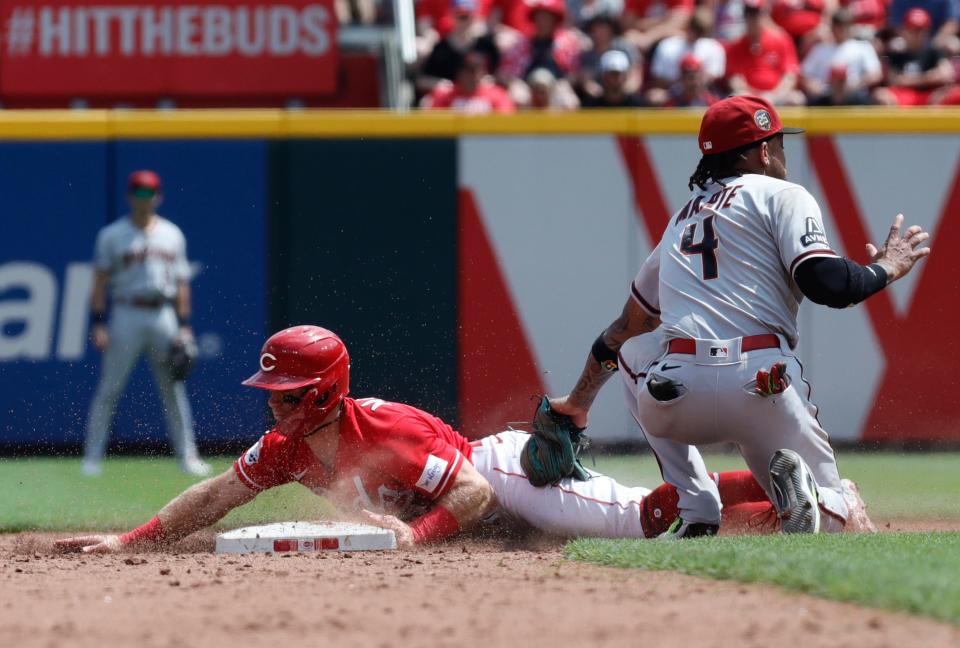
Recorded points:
(306,536)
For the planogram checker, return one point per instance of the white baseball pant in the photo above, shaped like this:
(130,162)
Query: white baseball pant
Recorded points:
(599,507)
(718,402)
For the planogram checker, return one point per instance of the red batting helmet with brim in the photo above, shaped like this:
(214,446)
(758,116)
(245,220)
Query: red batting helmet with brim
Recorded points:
(736,122)
(300,356)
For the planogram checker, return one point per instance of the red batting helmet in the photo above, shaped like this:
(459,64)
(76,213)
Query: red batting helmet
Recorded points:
(303,356)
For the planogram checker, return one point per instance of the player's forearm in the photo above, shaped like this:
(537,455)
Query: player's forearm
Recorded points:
(467,502)
(98,297)
(183,303)
(470,502)
(592,379)
(602,361)
(197,507)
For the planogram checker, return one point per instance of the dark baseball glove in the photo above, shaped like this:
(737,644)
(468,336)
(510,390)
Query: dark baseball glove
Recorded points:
(551,452)
(182,357)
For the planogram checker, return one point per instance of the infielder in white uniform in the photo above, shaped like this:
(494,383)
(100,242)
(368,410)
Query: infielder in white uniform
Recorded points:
(142,260)
(726,282)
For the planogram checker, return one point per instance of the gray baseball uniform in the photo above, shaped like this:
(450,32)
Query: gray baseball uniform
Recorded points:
(145,267)
(721,283)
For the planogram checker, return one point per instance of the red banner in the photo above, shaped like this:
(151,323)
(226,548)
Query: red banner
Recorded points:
(167,48)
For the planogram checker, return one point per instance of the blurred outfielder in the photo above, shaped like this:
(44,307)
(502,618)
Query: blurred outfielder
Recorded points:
(142,260)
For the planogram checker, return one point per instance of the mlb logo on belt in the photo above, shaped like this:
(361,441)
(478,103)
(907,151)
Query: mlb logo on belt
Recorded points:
(718,352)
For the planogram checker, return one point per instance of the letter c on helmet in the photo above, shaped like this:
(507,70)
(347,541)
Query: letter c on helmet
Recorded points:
(268,358)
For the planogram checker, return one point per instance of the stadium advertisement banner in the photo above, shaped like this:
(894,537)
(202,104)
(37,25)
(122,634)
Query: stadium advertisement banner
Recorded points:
(173,47)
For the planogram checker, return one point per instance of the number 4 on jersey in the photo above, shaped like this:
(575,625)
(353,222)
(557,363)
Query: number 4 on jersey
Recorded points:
(706,248)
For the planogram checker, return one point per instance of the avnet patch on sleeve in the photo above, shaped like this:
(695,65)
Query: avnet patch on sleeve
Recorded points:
(433,472)
(252,455)
(814,233)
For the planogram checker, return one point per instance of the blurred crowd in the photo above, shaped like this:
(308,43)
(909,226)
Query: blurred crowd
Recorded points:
(483,56)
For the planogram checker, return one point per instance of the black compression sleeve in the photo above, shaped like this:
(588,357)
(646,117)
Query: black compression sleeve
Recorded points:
(838,282)
(604,355)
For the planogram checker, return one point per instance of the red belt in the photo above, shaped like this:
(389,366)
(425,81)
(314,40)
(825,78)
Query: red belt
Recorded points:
(748,343)
(142,302)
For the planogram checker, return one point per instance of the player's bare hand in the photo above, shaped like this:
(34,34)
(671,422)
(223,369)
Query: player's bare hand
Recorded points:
(89,544)
(400,529)
(100,336)
(900,252)
(576,413)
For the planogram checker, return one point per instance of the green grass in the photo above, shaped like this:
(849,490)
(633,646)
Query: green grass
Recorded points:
(914,486)
(913,572)
(50,494)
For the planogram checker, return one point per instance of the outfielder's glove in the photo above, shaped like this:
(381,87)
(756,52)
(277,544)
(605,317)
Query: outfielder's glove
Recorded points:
(551,452)
(774,381)
(182,357)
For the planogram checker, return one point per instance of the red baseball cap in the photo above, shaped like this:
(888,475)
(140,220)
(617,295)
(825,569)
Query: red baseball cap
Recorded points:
(916,18)
(556,7)
(739,121)
(143,179)
(690,63)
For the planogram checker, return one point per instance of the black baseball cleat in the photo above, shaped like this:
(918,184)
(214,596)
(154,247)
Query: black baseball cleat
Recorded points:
(795,493)
(680,530)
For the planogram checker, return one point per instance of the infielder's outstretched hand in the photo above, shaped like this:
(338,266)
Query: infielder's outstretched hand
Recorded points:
(577,414)
(400,529)
(89,544)
(900,252)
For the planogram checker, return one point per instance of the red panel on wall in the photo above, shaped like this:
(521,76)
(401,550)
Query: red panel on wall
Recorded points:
(499,380)
(167,47)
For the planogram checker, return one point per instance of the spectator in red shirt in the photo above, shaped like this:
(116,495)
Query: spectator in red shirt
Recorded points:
(473,91)
(798,18)
(650,21)
(691,89)
(764,61)
(551,46)
(916,70)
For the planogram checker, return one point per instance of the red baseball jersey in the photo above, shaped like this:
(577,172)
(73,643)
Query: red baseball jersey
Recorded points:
(391,457)
(763,64)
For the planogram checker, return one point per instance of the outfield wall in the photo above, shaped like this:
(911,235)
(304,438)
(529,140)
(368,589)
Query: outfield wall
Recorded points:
(468,262)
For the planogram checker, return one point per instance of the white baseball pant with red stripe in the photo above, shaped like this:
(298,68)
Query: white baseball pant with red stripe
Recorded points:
(599,507)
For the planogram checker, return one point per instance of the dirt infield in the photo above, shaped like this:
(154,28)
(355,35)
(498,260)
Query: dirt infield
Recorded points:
(470,593)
